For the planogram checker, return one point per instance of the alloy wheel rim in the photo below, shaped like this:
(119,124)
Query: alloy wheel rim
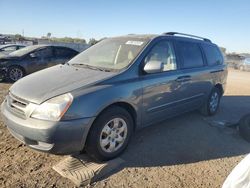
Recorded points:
(16,74)
(113,135)
(214,101)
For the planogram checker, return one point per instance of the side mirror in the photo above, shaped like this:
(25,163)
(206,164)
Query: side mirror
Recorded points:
(33,55)
(154,67)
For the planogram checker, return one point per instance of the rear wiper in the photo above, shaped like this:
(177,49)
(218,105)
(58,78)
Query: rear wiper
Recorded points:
(90,67)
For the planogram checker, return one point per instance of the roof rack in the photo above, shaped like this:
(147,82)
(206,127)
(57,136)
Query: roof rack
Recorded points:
(183,34)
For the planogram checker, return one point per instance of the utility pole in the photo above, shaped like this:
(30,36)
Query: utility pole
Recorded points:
(23,32)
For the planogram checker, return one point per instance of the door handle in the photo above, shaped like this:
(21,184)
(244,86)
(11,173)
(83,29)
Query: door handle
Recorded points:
(183,78)
(221,70)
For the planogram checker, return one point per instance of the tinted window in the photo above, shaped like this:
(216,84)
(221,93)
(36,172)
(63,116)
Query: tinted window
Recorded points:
(19,47)
(163,52)
(44,53)
(190,53)
(64,52)
(213,55)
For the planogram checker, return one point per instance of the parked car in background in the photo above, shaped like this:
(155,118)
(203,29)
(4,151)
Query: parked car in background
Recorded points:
(244,65)
(8,48)
(33,58)
(97,100)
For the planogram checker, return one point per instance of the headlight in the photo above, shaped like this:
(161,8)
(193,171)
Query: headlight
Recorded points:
(54,108)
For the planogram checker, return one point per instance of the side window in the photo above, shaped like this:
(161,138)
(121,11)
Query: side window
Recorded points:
(64,53)
(190,53)
(213,55)
(44,53)
(9,48)
(164,52)
(20,47)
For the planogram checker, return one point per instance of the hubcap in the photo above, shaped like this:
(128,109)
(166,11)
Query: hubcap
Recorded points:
(113,135)
(214,101)
(16,74)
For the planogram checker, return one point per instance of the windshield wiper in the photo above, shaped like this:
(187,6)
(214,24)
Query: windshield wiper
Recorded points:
(90,67)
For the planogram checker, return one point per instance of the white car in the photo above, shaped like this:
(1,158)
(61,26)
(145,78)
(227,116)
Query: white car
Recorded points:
(8,48)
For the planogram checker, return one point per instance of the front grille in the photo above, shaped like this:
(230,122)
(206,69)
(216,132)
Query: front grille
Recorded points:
(17,105)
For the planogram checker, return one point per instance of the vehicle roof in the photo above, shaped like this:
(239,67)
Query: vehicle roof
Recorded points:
(36,46)
(153,36)
(142,36)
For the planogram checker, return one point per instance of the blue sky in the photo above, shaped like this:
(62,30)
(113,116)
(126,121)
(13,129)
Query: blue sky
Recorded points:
(225,22)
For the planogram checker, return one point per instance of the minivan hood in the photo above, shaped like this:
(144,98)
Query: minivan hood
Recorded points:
(43,85)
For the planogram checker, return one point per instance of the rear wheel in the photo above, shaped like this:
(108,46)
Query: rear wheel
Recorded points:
(110,134)
(15,73)
(211,106)
(244,127)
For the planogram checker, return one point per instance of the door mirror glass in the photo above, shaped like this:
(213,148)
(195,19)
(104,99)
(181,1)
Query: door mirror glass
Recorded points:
(33,55)
(154,67)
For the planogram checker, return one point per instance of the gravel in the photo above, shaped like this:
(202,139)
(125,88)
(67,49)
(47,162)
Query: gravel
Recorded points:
(185,151)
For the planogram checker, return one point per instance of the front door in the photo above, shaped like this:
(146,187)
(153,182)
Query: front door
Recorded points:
(161,91)
(41,59)
(172,91)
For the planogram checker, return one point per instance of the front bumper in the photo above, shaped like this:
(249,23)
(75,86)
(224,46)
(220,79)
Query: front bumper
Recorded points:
(3,73)
(63,137)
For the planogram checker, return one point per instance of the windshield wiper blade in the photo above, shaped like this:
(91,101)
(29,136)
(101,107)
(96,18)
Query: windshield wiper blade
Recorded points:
(91,67)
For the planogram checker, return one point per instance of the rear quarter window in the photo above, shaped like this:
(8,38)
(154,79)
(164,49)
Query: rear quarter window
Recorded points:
(190,54)
(213,55)
(64,53)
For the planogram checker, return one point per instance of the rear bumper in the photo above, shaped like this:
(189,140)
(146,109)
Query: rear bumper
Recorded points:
(63,137)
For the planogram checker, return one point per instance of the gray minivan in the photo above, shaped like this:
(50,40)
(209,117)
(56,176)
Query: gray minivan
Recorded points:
(99,98)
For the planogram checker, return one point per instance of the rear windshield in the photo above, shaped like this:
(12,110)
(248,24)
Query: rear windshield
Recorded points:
(111,54)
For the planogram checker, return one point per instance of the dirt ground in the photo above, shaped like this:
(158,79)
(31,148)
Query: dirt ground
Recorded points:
(186,151)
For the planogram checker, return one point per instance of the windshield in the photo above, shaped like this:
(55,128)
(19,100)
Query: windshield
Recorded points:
(111,54)
(24,51)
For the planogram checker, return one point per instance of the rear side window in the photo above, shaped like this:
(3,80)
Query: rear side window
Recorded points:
(64,52)
(213,55)
(43,53)
(190,54)
(9,48)
(20,47)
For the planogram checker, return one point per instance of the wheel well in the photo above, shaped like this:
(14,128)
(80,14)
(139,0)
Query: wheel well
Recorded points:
(127,107)
(219,86)
(18,67)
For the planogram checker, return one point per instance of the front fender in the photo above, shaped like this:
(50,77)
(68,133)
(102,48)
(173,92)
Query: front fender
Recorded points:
(92,101)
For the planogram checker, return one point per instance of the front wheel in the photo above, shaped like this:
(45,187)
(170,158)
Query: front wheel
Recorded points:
(110,134)
(211,106)
(15,73)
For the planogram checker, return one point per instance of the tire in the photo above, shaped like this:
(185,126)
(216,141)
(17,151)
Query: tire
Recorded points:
(244,127)
(103,142)
(210,108)
(15,73)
